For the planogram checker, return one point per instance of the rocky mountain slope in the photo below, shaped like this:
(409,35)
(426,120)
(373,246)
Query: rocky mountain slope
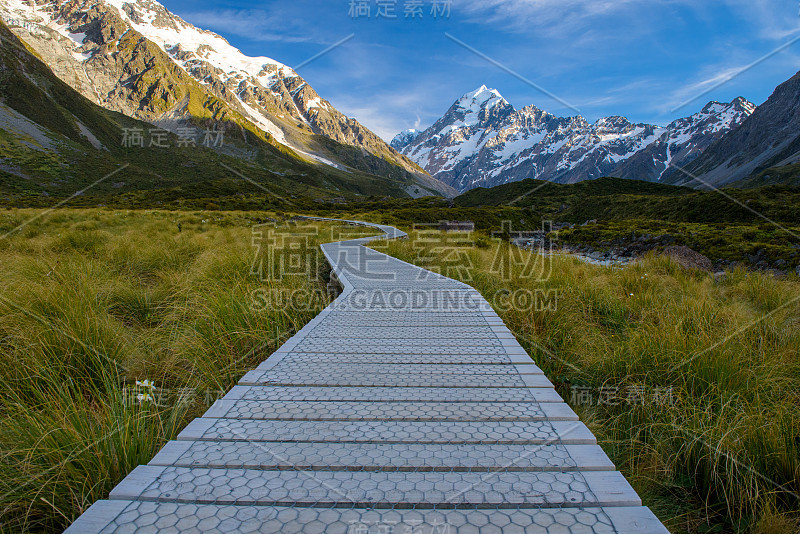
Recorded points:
(484,141)
(55,142)
(404,138)
(683,141)
(139,59)
(765,149)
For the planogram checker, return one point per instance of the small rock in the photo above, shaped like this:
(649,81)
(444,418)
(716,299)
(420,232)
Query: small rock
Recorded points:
(720,276)
(780,263)
(688,258)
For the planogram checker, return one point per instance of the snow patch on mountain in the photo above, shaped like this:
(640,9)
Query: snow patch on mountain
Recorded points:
(263,122)
(403,138)
(175,36)
(40,21)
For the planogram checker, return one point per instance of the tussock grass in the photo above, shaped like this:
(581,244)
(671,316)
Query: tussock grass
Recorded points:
(93,300)
(694,383)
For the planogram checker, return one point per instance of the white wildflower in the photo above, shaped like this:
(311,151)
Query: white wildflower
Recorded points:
(146,384)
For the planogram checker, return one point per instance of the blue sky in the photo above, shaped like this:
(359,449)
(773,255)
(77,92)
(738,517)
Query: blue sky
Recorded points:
(637,58)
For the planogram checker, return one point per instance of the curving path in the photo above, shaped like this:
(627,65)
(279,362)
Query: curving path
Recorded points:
(406,406)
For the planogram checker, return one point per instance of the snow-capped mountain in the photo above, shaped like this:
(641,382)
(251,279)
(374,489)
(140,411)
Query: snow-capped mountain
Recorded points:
(756,151)
(137,58)
(483,141)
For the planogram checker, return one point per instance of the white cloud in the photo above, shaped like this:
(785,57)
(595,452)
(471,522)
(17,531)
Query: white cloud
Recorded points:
(389,113)
(725,77)
(570,19)
(253,24)
(552,17)
(771,19)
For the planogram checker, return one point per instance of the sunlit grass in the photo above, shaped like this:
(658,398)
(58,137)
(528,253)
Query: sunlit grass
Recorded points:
(93,300)
(694,383)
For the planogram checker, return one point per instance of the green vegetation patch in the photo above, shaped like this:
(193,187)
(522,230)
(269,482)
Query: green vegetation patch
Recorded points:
(760,245)
(93,301)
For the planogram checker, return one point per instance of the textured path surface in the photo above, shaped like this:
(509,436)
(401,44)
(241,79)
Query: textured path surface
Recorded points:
(406,406)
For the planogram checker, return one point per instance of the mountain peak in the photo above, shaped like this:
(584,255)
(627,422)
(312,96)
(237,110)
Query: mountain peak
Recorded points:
(167,30)
(482,97)
(745,104)
(767,138)
(739,104)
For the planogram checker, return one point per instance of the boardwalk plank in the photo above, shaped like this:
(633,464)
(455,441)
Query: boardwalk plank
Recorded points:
(382,456)
(389,394)
(522,432)
(383,489)
(223,519)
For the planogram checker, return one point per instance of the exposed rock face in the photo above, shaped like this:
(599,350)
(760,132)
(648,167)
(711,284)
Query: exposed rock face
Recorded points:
(483,141)
(40,113)
(770,137)
(139,59)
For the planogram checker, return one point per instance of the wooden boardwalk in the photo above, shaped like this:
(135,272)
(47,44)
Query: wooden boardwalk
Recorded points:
(406,406)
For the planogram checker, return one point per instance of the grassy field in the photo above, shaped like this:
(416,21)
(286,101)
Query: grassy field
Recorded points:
(93,301)
(692,386)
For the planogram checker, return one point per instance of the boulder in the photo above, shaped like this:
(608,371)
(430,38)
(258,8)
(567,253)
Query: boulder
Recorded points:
(688,258)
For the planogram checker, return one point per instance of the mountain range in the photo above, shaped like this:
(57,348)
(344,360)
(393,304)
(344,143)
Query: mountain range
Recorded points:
(483,141)
(143,62)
